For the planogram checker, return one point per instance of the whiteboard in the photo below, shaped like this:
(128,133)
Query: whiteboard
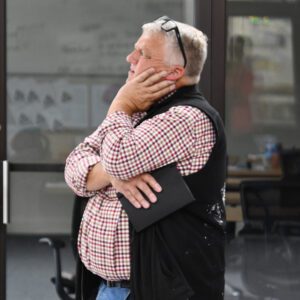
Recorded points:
(85,37)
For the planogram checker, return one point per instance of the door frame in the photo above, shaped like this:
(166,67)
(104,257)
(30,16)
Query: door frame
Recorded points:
(3,154)
(210,17)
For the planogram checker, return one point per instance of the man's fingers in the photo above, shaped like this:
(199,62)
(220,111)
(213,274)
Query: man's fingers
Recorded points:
(147,191)
(161,85)
(132,200)
(152,79)
(164,91)
(139,188)
(150,180)
(139,198)
(145,74)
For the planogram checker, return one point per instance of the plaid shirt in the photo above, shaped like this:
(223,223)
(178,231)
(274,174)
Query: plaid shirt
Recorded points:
(183,134)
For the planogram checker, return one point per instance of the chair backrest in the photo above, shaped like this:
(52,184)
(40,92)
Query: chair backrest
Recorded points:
(290,164)
(270,201)
(78,209)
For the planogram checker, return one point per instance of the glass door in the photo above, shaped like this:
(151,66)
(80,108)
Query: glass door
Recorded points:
(262,116)
(62,64)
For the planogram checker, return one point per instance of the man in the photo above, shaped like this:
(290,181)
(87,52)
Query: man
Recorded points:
(182,256)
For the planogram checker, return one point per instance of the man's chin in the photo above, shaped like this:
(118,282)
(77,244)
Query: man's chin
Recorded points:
(130,75)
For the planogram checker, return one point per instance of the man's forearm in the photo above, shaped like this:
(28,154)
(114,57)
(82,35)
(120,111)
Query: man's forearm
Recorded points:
(97,178)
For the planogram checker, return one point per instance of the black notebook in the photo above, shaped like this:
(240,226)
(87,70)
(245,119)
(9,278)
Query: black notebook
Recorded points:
(175,194)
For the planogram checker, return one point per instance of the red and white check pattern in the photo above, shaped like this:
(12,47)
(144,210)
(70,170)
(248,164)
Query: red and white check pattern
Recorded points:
(183,134)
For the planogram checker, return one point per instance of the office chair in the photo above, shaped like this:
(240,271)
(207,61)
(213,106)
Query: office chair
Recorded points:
(67,286)
(275,205)
(290,164)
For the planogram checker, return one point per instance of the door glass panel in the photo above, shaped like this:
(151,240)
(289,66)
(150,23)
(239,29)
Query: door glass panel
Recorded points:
(65,62)
(44,209)
(261,99)
(262,118)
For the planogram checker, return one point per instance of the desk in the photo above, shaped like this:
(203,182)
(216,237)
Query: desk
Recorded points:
(254,173)
(235,177)
(233,197)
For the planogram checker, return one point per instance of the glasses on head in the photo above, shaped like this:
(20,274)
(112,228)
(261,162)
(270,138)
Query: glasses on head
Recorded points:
(168,25)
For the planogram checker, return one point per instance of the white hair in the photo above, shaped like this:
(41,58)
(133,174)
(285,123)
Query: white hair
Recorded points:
(194,43)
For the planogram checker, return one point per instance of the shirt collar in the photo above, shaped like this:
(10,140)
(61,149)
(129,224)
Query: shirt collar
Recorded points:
(163,99)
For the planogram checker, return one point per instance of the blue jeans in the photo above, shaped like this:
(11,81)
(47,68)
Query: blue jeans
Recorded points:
(112,293)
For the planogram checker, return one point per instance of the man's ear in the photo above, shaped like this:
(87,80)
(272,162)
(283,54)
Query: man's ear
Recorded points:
(175,73)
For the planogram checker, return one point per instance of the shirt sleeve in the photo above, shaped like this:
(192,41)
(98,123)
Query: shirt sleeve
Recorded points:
(79,163)
(83,158)
(164,139)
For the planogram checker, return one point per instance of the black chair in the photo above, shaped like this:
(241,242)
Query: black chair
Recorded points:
(68,288)
(274,205)
(290,164)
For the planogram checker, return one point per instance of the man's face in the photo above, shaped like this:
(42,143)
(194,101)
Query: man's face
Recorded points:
(149,51)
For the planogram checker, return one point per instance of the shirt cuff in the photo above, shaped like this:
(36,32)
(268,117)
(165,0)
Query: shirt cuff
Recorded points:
(84,167)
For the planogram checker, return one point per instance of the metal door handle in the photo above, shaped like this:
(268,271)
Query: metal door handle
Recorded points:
(5,170)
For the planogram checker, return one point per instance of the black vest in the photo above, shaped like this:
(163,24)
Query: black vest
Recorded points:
(182,256)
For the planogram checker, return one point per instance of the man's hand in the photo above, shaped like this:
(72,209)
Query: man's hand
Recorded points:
(132,188)
(139,93)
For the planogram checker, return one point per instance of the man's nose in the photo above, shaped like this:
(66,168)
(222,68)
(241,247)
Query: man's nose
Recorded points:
(132,57)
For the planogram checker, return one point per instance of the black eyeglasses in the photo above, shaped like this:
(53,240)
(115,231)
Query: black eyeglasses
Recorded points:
(169,25)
